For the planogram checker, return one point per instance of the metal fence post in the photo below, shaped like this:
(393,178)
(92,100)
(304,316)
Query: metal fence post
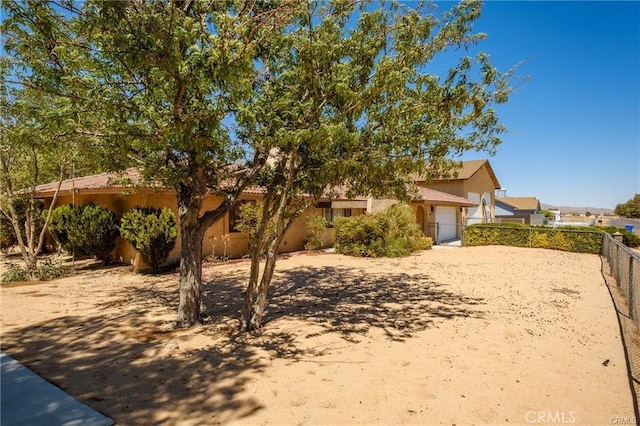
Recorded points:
(630,281)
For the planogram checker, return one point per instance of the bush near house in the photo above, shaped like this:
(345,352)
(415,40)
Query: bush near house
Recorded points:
(566,238)
(392,233)
(316,226)
(87,230)
(152,232)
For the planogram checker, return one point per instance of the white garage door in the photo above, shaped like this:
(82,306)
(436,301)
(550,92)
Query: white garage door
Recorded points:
(446,224)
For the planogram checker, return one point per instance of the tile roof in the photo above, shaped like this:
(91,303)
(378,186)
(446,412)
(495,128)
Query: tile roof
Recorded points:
(131,179)
(126,179)
(433,196)
(466,170)
(521,203)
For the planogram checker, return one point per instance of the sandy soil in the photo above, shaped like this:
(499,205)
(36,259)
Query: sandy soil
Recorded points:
(470,335)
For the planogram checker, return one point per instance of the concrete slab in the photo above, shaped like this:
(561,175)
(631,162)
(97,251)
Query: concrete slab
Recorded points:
(28,399)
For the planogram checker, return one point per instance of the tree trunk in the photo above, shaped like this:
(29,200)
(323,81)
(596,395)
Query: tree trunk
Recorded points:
(255,297)
(191,235)
(190,287)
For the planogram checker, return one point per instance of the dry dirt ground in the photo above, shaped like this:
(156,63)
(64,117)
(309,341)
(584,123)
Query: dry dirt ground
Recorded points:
(472,335)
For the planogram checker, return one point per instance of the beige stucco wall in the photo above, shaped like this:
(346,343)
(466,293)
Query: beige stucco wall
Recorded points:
(217,240)
(481,183)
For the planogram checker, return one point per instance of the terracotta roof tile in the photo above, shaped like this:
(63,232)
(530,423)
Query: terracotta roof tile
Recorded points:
(433,196)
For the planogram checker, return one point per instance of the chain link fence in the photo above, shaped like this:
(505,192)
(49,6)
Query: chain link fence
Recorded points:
(624,267)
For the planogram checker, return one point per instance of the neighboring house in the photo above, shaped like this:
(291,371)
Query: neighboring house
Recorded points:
(519,209)
(476,182)
(121,192)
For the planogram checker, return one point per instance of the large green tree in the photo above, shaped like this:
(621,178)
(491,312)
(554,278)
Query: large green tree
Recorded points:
(173,82)
(352,104)
(629,209)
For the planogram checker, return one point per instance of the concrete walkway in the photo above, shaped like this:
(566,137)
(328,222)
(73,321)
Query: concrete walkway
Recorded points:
(28,399)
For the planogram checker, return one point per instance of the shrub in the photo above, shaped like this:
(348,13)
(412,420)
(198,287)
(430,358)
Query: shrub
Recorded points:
(152,232)
(360,236)
(14,273)
(48,270)
(403,235)
(316,226)
(85,230)
(392,233)
(8,236)
(62,222)
(629,238)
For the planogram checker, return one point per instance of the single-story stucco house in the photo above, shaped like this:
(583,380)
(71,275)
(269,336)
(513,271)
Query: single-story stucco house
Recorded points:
(120,192)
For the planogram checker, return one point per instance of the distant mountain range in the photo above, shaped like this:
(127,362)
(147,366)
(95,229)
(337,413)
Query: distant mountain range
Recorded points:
(579,210)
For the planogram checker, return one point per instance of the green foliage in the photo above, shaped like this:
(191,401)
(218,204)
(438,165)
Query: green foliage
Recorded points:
(548,215)
(341,91)
(14,273)
(404,235)
(393,233)
(152,232)
(8,236)
(566,238)
(360,236)
(629,209)
(249,216)
(87,230)
(629,239)
(316,225)
(48,270)
(61,224)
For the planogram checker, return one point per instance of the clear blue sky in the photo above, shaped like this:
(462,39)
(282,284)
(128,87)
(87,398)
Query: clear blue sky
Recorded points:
(574,132)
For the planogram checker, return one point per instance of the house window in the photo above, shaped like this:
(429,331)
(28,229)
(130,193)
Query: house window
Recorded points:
(331,214)
(234,215)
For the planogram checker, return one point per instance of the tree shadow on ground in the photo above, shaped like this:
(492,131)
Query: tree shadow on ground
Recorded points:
(349,301)
(125,362)
(133,370)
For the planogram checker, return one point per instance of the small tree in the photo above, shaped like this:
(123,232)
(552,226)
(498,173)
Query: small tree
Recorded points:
(152,232)
(8,237)
(316,225)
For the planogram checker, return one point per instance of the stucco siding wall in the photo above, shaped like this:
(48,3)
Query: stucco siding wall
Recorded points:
(218,240)
(482,183)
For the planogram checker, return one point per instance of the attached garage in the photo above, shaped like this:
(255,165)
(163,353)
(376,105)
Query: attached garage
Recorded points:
(446,223)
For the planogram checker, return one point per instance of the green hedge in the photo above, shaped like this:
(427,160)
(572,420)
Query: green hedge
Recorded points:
(566,238)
